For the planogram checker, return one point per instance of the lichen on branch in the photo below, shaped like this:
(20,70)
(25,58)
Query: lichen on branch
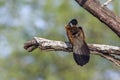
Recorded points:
(107,51)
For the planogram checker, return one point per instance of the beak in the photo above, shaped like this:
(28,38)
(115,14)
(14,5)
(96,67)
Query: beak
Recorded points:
(71,25)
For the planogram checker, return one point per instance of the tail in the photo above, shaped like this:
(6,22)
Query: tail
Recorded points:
(81,59)
(81,54)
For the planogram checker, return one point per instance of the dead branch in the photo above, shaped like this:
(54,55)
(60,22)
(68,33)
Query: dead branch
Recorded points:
(106,51)
(111,53)
(102,13)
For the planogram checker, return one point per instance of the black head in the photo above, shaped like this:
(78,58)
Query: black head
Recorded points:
(73,22)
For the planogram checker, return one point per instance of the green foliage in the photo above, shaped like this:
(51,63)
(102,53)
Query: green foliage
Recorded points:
(21,20)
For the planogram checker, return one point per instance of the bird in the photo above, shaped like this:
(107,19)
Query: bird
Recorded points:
(75,34)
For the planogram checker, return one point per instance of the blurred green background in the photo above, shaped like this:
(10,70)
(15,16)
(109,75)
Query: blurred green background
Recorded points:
(21,20)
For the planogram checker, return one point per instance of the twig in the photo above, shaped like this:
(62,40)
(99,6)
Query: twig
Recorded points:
(106,51)
(107,2)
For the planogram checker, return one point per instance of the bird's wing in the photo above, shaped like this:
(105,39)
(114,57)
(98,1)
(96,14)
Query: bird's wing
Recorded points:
(80,49)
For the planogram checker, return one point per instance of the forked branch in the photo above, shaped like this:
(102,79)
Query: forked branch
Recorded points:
(106,51)
(111,53)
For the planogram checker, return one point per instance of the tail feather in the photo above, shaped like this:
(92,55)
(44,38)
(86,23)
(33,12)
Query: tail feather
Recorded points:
(81,59)
(81,54)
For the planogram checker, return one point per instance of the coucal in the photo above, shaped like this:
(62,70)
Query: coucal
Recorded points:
(81,52)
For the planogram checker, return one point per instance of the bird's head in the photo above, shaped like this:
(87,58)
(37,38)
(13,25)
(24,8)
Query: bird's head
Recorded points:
(73,22)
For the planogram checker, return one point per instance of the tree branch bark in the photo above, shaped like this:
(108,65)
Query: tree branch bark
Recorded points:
(102,13)
(111,53)
(106,51)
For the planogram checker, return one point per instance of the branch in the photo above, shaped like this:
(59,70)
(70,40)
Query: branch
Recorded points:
(102,13)
(106,51)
